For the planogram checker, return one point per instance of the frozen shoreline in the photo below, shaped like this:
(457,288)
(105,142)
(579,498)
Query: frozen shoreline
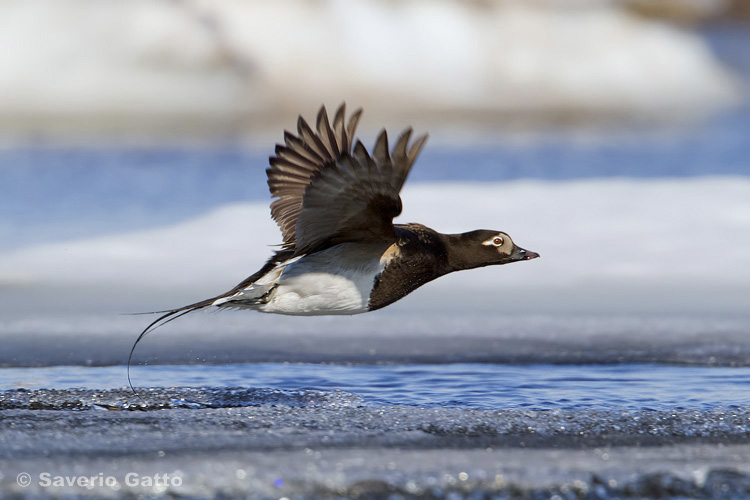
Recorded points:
(618,281)
(311,451)
(402,336)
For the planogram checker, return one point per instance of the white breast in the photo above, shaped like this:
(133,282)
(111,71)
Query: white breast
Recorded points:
(335,281)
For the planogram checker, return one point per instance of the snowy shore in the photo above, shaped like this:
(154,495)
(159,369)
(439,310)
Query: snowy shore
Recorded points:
(326,450)
(638,240)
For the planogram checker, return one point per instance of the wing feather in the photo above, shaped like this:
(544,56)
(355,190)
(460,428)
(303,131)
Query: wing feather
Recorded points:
(330,190)
(312,141)
(296,145)
(326,134)
(380,151)
(339,129)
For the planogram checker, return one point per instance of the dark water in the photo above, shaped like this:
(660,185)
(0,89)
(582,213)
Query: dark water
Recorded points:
(480,386)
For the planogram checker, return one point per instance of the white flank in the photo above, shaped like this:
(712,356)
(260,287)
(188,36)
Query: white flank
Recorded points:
(334,281)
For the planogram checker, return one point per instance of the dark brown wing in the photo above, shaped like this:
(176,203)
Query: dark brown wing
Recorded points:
(330,192)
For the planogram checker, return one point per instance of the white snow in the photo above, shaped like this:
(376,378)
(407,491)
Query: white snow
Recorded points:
(224,59)
(655,241)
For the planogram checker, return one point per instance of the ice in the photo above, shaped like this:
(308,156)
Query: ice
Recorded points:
(403,335)
(631,270)
(273,451)
(620,244)
(165,398)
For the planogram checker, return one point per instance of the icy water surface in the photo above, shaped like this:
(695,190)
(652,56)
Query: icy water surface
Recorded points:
(461,385)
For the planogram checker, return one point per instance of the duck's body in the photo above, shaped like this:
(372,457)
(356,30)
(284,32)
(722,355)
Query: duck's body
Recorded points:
(342,254)
(337,280)
(348,278)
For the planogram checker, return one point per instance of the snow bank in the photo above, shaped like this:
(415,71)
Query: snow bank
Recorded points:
(213,62)
(510,57)
(614,241)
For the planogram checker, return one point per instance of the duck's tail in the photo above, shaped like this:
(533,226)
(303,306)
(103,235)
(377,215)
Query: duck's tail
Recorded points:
(244,295)
(170,315)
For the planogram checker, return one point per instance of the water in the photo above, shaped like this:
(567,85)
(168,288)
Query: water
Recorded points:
(460,385)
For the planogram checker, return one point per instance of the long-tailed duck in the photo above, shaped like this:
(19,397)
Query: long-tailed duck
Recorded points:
(342,254)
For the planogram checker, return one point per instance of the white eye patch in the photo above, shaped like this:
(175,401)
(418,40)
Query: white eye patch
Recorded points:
(495,241)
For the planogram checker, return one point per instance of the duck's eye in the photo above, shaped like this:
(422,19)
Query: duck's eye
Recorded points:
(495,241)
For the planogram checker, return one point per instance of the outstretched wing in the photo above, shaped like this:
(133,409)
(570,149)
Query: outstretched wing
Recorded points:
(330,190)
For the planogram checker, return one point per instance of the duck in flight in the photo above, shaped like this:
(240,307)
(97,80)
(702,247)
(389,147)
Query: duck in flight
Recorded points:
(342,253)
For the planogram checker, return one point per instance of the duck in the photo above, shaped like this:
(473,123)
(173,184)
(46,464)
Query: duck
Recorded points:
(334,203)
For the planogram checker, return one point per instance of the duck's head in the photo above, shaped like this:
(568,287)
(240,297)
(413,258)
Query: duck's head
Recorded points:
(484,247)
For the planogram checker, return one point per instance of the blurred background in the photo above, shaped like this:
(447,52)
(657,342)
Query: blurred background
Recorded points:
(610,136)
(230,69)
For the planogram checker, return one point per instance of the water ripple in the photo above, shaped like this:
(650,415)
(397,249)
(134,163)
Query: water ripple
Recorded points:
(479,386)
